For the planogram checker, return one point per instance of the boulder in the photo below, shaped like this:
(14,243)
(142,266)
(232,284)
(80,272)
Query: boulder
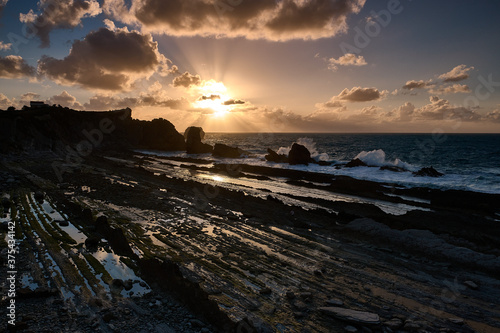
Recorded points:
(392,168)
(355,163)
(273,156)
(193,136)
(428,172)
(299,154)
(222,150)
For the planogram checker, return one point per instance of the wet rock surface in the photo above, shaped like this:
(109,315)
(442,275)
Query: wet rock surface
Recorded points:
(208,251)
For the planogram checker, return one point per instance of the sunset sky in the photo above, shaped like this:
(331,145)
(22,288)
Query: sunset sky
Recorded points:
(260,65)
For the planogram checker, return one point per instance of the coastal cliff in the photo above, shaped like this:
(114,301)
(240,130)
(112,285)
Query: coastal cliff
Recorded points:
(55,128)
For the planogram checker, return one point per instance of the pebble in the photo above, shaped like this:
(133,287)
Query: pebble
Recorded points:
(350,329)
(335,302)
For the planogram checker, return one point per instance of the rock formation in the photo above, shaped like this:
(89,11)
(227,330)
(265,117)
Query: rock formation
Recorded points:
(273,156)
(299,154)
(222,150)
(193,136)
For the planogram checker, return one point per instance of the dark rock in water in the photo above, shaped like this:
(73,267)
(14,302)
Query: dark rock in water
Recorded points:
(118,283)
(193,136)
(128,285)
(299,154)
(392,168)
(324,163)
(273,156)
(63,223)
(39,196)
(222,150)
(101,221)
(355,163)
(428,172)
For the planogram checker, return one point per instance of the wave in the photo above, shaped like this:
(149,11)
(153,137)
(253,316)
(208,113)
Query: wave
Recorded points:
(377,158)
(311,146)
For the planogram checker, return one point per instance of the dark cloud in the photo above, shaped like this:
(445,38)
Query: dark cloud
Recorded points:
(358,94)
(57,14)
(459,73)
(234,102)
(266,19)
(415,84)
(15,67)
(105,59)
(211,97)
(186,80)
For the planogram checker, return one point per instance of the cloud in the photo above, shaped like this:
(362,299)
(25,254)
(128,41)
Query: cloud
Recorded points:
(234,102)
(458,73)
(5,102)
(211,97)
(415,84)
(454,89)
(441,109)
(256,19)
(15,67)
(348,59)
(5,46)
(358,94)
(30,96)
(66,100)
(107,60)
(493,116)
(155,97)
(187,80)
(3,3)
(57,14)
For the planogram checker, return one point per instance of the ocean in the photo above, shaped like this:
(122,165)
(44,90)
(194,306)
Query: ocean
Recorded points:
(469,161)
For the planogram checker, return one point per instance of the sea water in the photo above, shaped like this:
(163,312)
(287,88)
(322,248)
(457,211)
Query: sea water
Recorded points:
(469,161)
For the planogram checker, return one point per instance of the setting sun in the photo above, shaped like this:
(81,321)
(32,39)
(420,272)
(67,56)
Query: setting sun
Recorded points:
(213,97)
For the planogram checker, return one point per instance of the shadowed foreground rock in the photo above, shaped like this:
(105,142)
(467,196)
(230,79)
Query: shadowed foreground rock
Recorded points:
(222,150)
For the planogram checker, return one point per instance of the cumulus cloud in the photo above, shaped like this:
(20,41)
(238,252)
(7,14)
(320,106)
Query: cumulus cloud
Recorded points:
(453,89)
(57,14)
(15,67)
(187,80)
(441,109)
(493,116)
(107,60)
(415,84)
(256,19)
(358,94)
(5,46)
(348,59)
(65,99)
(459,73)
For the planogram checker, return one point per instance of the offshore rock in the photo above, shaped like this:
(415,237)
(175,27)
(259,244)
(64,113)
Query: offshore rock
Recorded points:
(193,136)
(355,163)
(299,154)
(222,150)
(273,156)
(428,172)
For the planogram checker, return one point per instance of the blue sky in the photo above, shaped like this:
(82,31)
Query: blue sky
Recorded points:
(319,65)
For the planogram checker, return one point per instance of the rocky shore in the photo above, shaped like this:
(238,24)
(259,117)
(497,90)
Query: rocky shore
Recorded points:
(127,242)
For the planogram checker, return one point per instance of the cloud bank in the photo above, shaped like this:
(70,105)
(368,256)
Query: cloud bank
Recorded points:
(256,19)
